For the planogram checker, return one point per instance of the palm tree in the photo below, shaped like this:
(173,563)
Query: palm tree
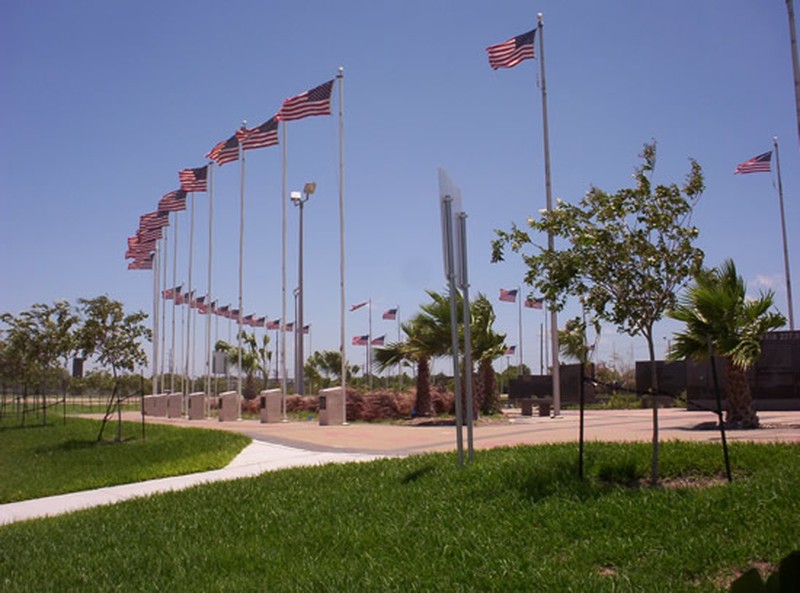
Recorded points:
(427,336)
(254,358)
(487,346)
(720,318)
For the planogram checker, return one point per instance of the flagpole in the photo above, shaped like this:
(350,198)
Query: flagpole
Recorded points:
(519,322)
(399,363)
(209,297)
(187,379)
(155,267)
(369,345)
(163,334)
(795,64)
(550,242)
(174,298)
(241,280)
(340,78)
(783,233)
(282,324)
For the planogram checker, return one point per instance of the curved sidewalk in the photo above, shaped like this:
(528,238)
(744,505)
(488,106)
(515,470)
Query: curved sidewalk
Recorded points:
(293,444)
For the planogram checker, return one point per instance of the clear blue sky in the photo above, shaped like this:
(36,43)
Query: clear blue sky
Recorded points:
(101,103)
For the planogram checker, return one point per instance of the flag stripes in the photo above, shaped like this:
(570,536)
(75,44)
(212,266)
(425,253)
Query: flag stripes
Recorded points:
(510,53)
(317,101)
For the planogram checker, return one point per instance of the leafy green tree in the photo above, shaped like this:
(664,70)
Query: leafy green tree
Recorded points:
(325,368)
(718,316)
(115,339)
(626,254)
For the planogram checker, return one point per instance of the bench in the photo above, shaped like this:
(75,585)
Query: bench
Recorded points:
(542,403)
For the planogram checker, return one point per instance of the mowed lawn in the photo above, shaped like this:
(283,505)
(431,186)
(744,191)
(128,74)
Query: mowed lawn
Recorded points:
(518,519)
(60,457)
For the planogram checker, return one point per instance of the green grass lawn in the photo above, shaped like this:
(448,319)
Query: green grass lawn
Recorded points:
(518,519)
(60,457)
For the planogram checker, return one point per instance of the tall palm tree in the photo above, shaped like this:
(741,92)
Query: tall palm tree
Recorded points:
(487,346)
(427,336)
(254,358)
(716,312)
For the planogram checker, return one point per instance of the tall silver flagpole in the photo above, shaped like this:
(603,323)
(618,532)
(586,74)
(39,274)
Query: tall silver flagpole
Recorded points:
(369,345)
(210,312)
(187,374)
(519,321)
(550,242)
(783,233)
(340,78)
(241,281)
(156,274)
(162,307)
(282,323)
(174,298)
(795,64)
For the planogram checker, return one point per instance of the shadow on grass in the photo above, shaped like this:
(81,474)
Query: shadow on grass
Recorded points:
(417,474)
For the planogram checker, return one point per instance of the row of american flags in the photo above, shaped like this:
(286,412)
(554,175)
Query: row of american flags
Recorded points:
(141,246)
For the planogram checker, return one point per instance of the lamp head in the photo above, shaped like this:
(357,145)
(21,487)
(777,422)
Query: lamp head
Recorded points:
(296,197)
(309,188)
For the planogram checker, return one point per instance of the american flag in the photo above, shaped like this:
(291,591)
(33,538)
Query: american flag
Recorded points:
(264,135)
(306,328)
(317,101)
(390,314)
(223,311)
(154,220)
(361,340)
(225,151)
(534,303)
(510,350)
(289,327)
(508,296)
(759,164)
(275,324)
(379,341)
(142,264)
(357,306)
(259,321)
(168,294)
(174,201)
(194,179)
(248,320)
(510,53)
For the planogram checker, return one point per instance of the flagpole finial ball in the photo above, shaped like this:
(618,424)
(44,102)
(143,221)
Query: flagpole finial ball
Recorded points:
(540,16)
(341,70)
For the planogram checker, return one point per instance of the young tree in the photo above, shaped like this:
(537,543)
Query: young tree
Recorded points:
(115,340)
(718,316)
(627,254)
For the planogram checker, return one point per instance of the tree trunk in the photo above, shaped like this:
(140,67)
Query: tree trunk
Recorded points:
(740,412)
(654,394)
(488,384)
(423,403)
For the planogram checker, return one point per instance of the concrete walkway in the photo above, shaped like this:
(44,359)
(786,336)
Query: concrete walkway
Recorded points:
(258,457)
(293,444)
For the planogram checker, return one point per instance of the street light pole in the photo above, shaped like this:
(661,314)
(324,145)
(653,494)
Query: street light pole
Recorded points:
(299,201)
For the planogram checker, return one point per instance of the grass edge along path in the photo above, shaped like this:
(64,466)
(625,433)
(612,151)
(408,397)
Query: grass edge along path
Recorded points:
(62,457)
(518,519)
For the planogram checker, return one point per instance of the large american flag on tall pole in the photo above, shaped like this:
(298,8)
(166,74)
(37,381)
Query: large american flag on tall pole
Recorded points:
(262,136)
(510,53)
(225,151)
(317,101)
(758,164)
(194,179)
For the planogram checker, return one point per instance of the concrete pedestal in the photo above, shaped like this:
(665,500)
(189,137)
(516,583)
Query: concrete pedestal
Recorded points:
(155,405)
(197,406)
(331,406)
(270,403)
(174,405)
(229,406)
